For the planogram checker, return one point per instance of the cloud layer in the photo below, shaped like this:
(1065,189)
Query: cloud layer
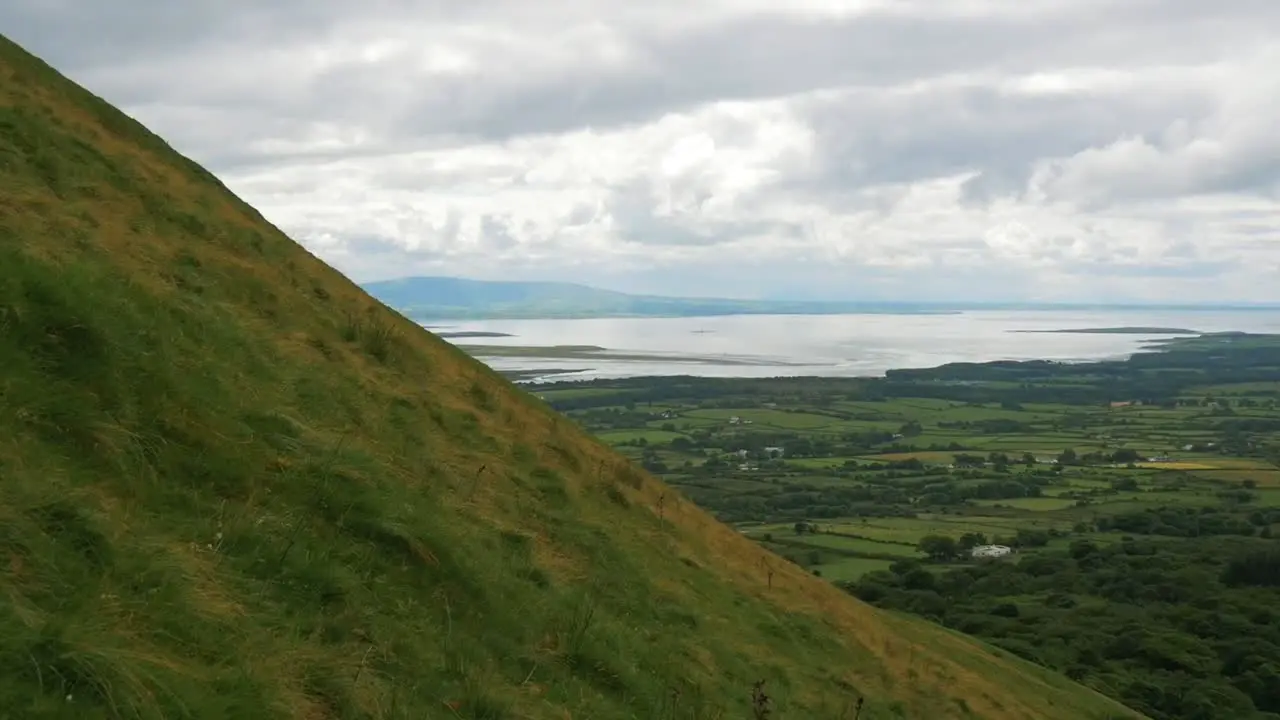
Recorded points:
(974,149)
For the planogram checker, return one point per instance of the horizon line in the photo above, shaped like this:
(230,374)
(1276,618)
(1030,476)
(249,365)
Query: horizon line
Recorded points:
(955,303)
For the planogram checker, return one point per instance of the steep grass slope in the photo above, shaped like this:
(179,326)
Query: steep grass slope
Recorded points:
(232,485)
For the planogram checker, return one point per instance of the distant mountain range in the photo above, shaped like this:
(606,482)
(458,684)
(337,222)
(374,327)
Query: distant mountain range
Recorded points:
(451,298)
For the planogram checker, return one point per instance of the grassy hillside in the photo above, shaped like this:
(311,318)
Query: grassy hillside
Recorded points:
(233,485)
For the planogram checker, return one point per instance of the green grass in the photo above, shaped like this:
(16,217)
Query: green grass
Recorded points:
(569,394)
(851,568)
(818,463)
(1268,497)
(1238,389)
(235,486)
(908,531)
(828,541)
(770,418)
(859,545)
(650,436)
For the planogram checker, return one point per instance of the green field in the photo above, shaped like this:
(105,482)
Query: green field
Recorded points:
(820,459)
(851,568)
(631,436)
(867,483)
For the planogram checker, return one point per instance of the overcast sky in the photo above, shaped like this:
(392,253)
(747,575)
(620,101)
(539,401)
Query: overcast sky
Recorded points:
(927,149)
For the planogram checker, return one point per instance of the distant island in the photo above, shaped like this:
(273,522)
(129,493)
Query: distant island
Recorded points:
(595,352)
(1129,330)
(473,334)
(449,298)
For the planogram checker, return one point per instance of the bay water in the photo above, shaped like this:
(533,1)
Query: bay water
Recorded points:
(832,345)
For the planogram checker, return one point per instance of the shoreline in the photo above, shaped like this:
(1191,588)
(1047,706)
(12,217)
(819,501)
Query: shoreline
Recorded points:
(1124,330)
(596,352)
(589,362)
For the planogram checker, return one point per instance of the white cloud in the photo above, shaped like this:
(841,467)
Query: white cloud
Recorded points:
(1083,149)
(1234,147)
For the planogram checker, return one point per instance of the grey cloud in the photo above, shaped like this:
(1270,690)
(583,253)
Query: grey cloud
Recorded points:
(1256,228)
(582,214)
(867,138)
(632,208)
(372,246)
(1181,250)
(749,57)
(495,233)
(365,259)
(638,223)
(1197,271)
(757,56)
(220,78)
(1095,180)
(81,36)
(777,54)
(1258,171)
(495,236)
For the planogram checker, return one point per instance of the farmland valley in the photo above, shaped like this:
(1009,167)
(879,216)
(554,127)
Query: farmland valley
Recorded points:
(1137,500)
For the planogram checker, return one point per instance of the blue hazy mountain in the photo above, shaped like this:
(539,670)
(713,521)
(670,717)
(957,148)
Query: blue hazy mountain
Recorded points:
(451,298)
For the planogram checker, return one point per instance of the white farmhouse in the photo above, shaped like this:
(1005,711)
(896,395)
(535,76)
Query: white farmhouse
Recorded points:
(991,551)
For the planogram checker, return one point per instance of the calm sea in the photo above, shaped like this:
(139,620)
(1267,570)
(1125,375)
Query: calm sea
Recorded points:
(835,345)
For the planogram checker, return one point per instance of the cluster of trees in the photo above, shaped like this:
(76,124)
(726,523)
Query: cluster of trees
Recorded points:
(782,503)
(944,548)
(992,426)
(1158,378)
(1188,522)
(1177,629)
(779,494)
(794,445)
(952,493)
(1225,403)
(710,392)
(1000,462)
(614,418)
(1123,456)
(786,502)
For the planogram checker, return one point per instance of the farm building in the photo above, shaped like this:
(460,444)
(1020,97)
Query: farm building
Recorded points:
(991,551)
